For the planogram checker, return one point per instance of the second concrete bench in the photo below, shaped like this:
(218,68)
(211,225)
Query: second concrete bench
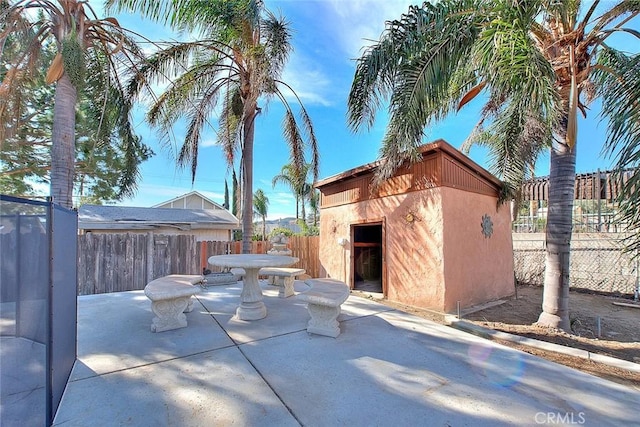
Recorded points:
(323,303)
(282,277)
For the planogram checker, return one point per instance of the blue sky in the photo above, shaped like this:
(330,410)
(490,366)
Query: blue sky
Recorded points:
(327,36)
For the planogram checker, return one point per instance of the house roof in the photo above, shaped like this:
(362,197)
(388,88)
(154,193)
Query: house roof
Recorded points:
(437,145)
(125,217)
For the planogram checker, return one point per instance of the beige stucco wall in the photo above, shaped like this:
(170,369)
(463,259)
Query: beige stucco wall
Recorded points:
(477,268)
(434,256)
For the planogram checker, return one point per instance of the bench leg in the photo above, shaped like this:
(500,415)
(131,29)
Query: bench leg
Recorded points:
(169,314)
(286,289)
(323,320)
(189,308)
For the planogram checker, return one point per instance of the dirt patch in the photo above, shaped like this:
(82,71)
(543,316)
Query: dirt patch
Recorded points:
(618,334)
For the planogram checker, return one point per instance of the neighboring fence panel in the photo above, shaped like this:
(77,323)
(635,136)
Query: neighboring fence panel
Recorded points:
(111,262)
(206,249)
(307,249)
(126,262)
(174,255)
(303,247)
(597,262)
(257,247)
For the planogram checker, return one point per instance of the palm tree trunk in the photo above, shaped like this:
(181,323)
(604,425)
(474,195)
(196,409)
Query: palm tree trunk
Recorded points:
(555,304)
(247,181)
(63,140)
(264,228)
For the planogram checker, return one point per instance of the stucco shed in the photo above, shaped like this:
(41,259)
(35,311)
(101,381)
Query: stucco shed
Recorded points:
(430,236)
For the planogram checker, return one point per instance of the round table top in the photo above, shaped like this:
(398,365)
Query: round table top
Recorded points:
(252,260)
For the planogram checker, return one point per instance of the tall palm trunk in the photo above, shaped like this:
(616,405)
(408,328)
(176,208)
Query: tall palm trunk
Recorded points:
(555,304)
(247,179)
(63,142)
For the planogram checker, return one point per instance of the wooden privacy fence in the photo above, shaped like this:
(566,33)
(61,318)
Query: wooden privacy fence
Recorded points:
(305,248)
(126,262)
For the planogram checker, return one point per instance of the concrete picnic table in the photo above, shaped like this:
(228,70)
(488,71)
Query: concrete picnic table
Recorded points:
(251,306)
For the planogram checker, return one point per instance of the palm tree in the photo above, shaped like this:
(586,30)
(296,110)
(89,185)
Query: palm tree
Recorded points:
(260,208)
(236,63)
(314,203)
(83,41)
(296,180)
(534,61)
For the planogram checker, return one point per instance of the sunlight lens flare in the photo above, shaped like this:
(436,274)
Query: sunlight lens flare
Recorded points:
(504,369)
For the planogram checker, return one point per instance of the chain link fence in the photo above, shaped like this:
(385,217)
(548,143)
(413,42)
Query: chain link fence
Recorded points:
(598,262)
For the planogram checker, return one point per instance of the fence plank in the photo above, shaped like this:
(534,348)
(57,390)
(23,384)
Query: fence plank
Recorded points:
(306,248)
(139,276)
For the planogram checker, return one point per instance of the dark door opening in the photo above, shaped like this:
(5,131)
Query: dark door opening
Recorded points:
(367,257)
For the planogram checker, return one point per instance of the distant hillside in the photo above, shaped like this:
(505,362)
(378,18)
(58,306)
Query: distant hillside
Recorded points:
(289,222)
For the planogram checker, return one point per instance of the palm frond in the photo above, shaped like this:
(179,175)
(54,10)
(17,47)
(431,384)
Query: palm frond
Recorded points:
(277,42)
(623,11)
(307,124)
(416,66)
(619,87)
(230,123)
(293,138)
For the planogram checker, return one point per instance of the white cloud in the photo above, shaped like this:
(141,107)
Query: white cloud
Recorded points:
(356,22)
(308,80)
(212,195)
(281,198)
(208,142)
(279,215)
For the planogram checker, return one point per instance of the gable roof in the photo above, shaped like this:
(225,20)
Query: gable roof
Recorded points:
(441,166)
(191,200)
(126,217)
(439,145)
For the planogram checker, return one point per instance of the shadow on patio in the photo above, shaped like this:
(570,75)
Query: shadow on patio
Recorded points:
(386,368)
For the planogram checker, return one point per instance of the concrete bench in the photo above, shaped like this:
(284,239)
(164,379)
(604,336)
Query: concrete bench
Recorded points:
(323,302)
(282,277)
(170,298)
(238,272)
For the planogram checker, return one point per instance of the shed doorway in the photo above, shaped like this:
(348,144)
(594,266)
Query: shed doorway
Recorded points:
(367,271)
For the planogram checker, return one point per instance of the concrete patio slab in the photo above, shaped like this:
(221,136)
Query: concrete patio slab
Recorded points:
(386,368)
(22,376)
(114,333)
(217,387)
